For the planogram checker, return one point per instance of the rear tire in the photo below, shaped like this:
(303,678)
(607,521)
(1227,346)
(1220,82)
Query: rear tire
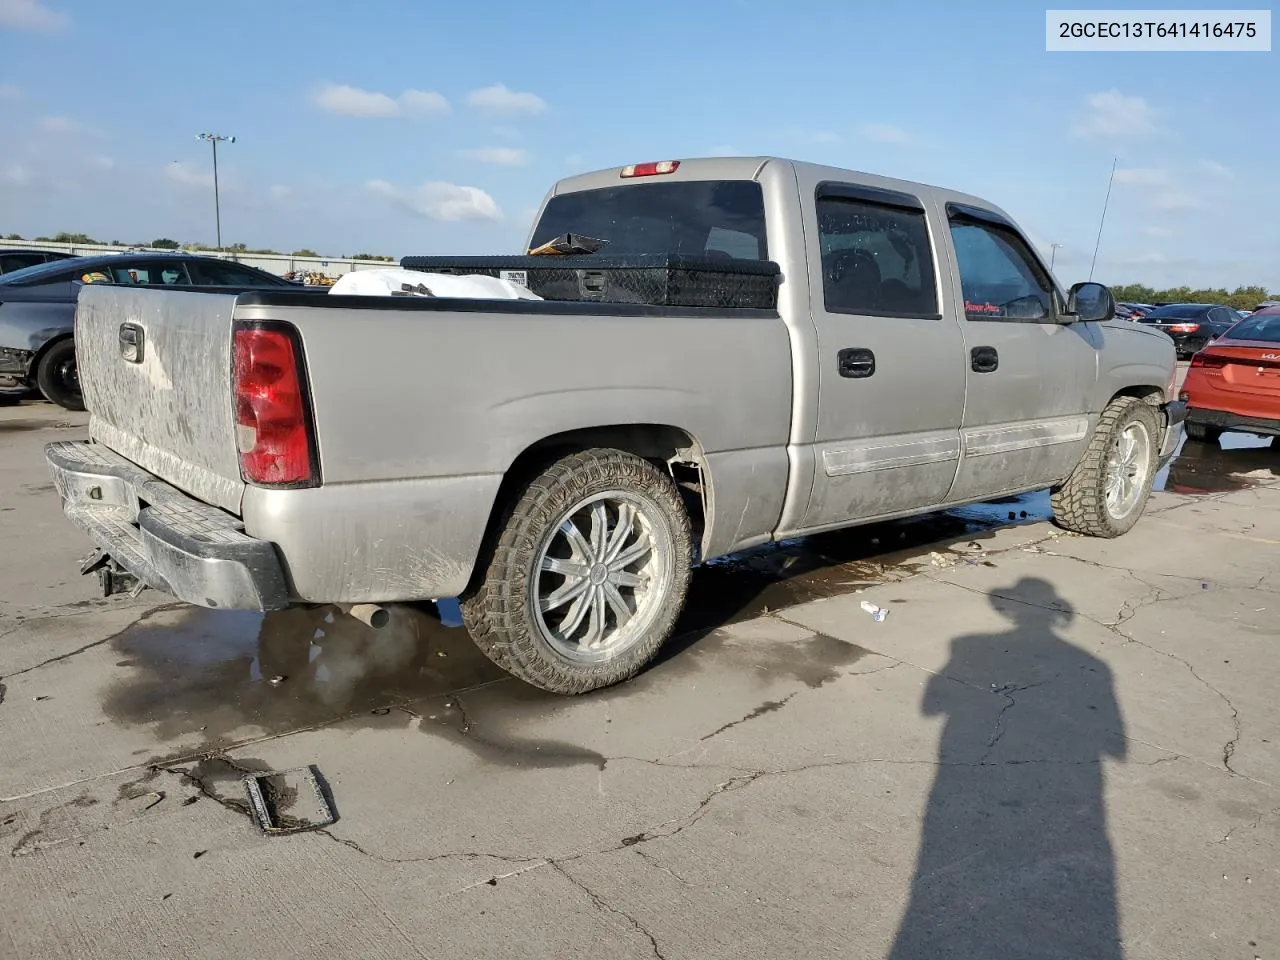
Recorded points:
(1108,490)
(588,575)
(1202,433)
(57,377)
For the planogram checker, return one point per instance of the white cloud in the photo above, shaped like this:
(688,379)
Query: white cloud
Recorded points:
(1143,177)
(10,93)
(423,103)
(436,200)
(347,101)
(1112,114)
(507,133)
(188,176)
(101,162)
(67,126)
(30,15)
(574,160)
(884,133)
(498,156)
(722,150)
(826,136)
(1177,199)
(280,192)
(1159,232)
(499,99)
(1217,169)
(15,175)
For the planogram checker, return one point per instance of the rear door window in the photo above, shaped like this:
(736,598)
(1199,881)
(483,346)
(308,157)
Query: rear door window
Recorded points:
(719,218)
(151,273)
(876,259)
(212,274)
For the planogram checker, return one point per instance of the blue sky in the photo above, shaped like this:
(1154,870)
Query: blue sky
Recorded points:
(410,126)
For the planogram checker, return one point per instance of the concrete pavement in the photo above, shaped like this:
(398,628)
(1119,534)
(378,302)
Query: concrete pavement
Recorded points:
(1051,747)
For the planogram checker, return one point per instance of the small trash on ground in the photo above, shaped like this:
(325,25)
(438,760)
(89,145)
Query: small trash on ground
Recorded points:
(940,560)
(877,613)
(277,680)
(289,801)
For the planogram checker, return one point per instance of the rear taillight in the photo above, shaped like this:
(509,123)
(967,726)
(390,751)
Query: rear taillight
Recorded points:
(273,420)
(1184,327)
(1209,361)
(650,169)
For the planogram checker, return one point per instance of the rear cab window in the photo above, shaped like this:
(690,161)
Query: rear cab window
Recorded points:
(723,219)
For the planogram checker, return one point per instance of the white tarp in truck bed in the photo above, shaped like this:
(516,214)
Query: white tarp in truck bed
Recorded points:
(396,282)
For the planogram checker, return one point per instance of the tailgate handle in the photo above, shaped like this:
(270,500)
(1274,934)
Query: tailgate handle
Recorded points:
(131,340)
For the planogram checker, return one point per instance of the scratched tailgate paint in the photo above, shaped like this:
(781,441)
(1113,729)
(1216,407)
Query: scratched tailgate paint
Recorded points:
(171,413)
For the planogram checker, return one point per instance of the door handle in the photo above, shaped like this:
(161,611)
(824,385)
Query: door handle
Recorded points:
(856,362)
(984,359)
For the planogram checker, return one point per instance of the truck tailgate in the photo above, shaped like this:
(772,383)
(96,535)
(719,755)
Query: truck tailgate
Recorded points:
(169,411)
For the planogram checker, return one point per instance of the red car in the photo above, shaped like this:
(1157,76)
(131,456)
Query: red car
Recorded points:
(1234,383)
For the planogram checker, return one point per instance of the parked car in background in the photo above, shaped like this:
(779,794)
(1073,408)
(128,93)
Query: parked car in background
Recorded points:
(1191,325)
(1265,304)
(38,306)
(1136,311)
(1234,384)
(19,258)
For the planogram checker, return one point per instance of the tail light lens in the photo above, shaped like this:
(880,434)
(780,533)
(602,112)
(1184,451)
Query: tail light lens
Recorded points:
(274,433)
(1184,327)
(1208,361)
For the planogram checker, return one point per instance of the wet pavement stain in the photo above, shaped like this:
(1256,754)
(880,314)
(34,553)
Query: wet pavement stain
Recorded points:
(27,426)
(202,680)
(1236,462)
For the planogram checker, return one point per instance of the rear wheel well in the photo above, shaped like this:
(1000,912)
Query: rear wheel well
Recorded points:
(38,357)
(671,449)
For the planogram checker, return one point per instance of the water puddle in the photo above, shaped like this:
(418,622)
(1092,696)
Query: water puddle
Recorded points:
(1238,461)
(201,680)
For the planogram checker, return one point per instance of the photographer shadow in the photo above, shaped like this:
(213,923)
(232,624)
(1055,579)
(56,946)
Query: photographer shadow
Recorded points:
(1015,860)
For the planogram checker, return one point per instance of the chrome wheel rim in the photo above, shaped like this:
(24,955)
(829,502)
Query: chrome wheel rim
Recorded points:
(1128,465)
(600,576)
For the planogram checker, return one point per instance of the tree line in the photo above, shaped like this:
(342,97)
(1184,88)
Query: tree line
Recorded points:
(164,243)
(1242,298)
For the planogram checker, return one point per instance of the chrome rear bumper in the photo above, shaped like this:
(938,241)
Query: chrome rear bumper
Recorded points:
(168,540)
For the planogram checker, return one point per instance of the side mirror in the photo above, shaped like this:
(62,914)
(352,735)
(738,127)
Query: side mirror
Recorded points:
(1090,303)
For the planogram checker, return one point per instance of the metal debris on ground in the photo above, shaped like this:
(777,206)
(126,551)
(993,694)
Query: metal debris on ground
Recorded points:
(289,801)
(877,613)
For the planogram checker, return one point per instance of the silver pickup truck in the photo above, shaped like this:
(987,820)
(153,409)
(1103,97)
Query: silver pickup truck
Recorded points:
(560,466)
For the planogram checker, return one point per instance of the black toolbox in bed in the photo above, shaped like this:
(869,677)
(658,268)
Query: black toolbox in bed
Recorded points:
(658,280)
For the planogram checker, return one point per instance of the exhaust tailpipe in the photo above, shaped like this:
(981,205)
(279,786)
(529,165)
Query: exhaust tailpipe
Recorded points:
(370,614)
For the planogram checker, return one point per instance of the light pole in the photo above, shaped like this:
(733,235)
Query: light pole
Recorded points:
(214,139)
(1053,252)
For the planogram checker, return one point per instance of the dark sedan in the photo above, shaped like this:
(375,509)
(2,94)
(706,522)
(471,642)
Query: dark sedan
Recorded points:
(19,258)
(1192,325)
(37,309)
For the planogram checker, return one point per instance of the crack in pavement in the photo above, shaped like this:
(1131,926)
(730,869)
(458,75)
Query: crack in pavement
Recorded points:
(146,615)
(604,905)
(1229,749)
(769,706)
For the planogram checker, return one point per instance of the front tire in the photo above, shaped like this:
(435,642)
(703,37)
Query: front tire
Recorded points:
(57,376)
(588,575)
(1109,488)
